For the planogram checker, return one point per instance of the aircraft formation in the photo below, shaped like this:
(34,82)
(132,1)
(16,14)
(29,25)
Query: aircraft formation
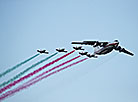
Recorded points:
(100,48)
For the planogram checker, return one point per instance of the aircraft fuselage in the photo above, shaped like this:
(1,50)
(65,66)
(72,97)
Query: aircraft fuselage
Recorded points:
(107,49)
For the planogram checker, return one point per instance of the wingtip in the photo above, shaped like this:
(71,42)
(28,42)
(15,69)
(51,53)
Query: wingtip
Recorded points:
(132,54)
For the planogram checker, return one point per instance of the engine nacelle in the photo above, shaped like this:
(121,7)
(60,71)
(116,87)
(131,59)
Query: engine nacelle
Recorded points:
(96,44)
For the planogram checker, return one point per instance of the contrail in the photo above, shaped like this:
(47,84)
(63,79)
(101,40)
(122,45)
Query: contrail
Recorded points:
(18,65)
(33,73)
(26,85)
(26,70)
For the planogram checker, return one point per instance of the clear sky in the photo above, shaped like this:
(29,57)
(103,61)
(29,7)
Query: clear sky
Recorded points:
(28,25)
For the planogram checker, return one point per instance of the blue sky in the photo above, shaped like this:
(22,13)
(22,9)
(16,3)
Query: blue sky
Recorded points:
(28,25)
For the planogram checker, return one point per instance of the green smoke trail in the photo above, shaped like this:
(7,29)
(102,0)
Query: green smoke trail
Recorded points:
(23,72)
(16,66)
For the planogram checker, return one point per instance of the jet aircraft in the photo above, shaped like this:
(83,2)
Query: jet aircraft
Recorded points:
(42,51)
(61,50)
(83,53)
(91,55)
(104,47)
(78,48)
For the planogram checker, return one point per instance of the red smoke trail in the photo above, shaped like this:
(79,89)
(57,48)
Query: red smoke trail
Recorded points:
(34,72)
(53,69)
(26,85)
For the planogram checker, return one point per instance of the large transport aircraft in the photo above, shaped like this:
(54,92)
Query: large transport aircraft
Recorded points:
(102,48)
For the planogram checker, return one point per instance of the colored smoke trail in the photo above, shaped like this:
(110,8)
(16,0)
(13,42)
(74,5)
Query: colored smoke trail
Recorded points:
(53,69)
(18,65)
(33,73)
(26,85)
(26,70)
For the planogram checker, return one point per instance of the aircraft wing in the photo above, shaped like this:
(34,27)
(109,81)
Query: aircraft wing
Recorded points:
(127,52)
(85,42)
(91,43)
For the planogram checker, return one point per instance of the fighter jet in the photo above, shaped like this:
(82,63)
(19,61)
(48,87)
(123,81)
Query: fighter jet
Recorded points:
(61,50)
(102,48)
(78,48)
(83,53)
(91,55)
(42,51)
